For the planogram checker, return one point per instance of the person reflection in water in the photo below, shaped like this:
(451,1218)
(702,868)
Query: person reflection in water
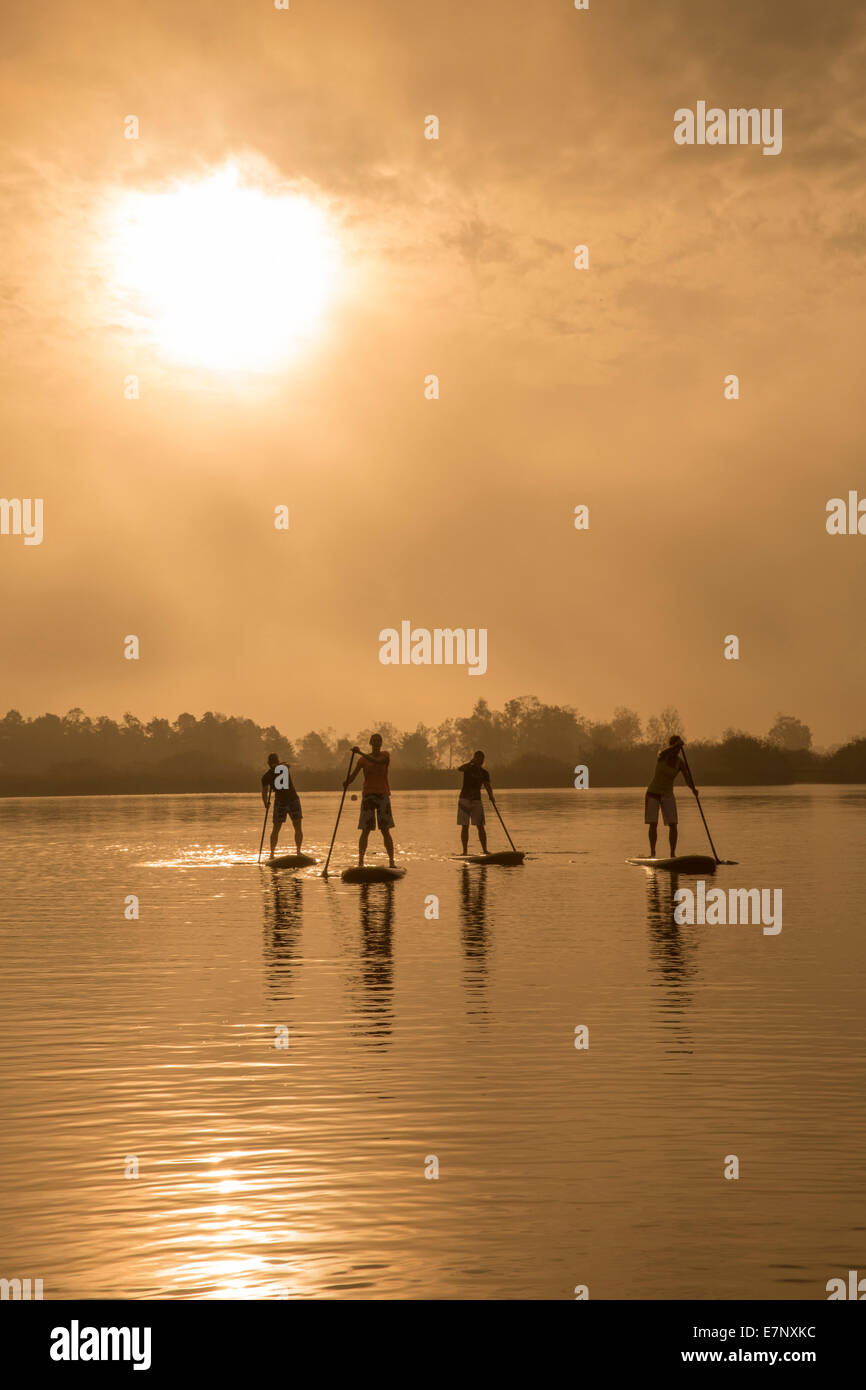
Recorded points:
(473,930)
(283,924)
(674,959)
(376,961)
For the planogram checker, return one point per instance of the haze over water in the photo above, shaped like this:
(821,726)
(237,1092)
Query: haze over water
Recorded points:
(268,1173)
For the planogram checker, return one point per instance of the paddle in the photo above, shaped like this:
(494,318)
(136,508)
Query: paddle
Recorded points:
(339,813)
(505,828)
(265,826)
(700,807)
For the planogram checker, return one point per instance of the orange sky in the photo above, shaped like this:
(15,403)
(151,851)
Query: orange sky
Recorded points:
(558,386)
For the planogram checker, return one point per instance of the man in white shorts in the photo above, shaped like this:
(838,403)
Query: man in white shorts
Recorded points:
(470,808)
(376,800)
(660,793)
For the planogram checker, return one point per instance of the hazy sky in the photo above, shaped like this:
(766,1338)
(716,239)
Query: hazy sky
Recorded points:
(558,386)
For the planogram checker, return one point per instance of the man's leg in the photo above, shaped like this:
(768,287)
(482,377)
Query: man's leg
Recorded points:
(672,832)
(464,838)
(482,835)
(298,826)
(389,845)
(362,847)
(650,805)
(275,835)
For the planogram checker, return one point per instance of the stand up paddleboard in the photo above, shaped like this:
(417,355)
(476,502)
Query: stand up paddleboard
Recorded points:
(371,874)
(505,856)
(681,863)
(290,861)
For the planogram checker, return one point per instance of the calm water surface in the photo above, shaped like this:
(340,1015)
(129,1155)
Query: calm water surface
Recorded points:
(267,1172)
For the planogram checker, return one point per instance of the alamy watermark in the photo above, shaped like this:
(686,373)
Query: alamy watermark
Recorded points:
(736,126)
(22,516)
(77,1343)
(443,646)
(855,1288)
(738,906)
(846,520)
(20,1289)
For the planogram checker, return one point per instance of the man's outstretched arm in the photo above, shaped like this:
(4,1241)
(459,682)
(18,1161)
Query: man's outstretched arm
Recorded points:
(687,777)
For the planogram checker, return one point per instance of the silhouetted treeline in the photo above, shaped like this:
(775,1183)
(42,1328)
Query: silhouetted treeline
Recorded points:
(527,743)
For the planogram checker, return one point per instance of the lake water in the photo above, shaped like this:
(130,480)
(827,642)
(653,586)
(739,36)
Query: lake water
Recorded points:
(268,1171)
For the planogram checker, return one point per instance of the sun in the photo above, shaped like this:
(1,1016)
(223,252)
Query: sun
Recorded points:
(225,273)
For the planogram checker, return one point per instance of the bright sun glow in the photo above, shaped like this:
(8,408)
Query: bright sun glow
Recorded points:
(223,274)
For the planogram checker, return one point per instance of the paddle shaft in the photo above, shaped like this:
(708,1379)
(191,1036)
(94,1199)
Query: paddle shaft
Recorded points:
(265,826)
(504,827)
(339,813)
(701,809)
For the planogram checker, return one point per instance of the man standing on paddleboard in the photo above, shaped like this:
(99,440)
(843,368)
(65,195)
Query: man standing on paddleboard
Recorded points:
(278,780)
(376,799)
(660,793)
(470,808)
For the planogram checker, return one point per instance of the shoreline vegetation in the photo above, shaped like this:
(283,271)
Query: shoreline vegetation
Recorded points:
(527,744)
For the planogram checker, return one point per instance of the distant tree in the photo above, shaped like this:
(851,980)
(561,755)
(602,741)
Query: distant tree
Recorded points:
(445,741)
(599,734)
(416,749)
(158,729)
(625,727)
(342,749)
(13,739)
(661,726)
(46,733)
(316,751)
(848,763)
(743,760)
(76,720)
(133,738)
(548,731)
(487,730)
(790,733)
(517,715)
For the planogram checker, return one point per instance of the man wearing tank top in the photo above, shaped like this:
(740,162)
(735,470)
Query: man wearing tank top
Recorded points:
(470,810)
(660,793)
(376,800)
